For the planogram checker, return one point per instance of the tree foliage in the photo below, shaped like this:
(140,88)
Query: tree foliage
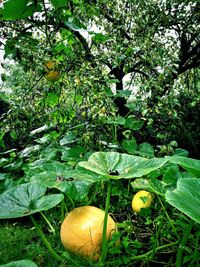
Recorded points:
(151,48)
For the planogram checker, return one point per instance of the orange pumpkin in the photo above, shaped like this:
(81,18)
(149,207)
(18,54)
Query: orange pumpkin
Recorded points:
(81,231)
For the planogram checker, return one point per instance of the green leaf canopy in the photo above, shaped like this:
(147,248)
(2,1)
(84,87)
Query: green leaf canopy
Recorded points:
(186,197)
(115,165)
(59,3)
(26,199)
(13,9)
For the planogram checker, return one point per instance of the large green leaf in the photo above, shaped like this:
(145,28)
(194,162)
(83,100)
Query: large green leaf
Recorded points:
(26,199)
(116,120)
(130,146)
(74,183)
(115,165)
(141,183)
(21,263)
(133,123)
(190,165)
(54,168)
(146,150)
(73,154)
(13,9)
(3,176)
(152,184)
(7,184)
(181,152)
(68,138)
(162,180)
(186,197)
(59,3)
(157,186)
(27,152)
(76,189)
(50,153)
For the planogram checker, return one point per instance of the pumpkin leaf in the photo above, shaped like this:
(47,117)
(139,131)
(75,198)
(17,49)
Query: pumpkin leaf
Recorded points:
(74,183)
(54,168)
(7,184)
(157,186)
(186,197)
(76,189)
(50,153)
(152,184)
(74,153)
(130,146)
(141,183)
(26,199)
(21,263)
(3,176)
(181,152)
(146,150)
(133,123)
(28,151)
(190,165)
(115,165)
(57,169)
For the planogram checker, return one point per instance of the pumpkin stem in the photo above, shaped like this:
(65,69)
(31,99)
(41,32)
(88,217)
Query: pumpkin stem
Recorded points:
(48,222)
(104,240)
(46,242)
(182,244)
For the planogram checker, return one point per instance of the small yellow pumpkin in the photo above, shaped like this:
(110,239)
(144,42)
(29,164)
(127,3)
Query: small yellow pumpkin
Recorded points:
(142,199)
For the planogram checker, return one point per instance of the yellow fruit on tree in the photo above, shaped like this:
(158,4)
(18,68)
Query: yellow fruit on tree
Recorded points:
(83,114)
(52,74)
(141,199)
(81,231)
(103,110)
(77,80)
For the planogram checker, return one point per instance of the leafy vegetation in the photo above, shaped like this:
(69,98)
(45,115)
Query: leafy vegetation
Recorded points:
(100,100)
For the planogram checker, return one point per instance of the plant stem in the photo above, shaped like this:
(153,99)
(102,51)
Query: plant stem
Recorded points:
(145,255)
(104,240)
(48,222)
(156,243)
(115,133)
(46,242)
(182,245)
(196,252)
(63,209)
(71,200)
(169,219)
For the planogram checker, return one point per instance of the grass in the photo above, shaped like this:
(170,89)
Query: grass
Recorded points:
(19,240)
(151,238)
